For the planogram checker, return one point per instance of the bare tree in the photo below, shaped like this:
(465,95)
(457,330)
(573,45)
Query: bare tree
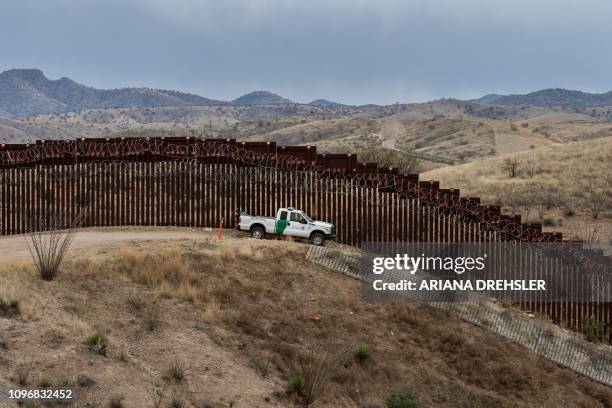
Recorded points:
(596,198)
(530,165)
(50,239)
(405,160)
(587,231)
(510,166)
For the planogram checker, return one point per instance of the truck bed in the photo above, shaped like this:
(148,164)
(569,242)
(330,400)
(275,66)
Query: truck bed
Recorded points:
(247,220)
(256,216)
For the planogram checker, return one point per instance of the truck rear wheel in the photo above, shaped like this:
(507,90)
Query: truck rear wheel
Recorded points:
(258,233)
(317,239)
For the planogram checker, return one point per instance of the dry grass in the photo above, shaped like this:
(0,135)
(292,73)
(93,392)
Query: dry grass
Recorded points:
(554,184)
(255,299)
(176,369)
(456,138)
(152,316)
(232,285)
(22,373)
(317,368)
(158,394)
(177,399)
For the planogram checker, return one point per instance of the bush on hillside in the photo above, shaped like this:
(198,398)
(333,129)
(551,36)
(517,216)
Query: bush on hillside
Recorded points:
(403,399)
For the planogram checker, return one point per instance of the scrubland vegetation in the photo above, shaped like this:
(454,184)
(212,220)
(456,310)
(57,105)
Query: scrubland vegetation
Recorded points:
(567,188)
(248,323)
(239,323)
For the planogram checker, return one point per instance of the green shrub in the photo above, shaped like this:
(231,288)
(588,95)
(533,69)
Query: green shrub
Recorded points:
(295,384)
(404,399)
(592,328)
(9,308)
(97,343)
(44,382)
(10,303)
(95,338)
(362,352)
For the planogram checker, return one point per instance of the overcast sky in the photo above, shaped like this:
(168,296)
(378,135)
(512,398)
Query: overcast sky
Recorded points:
(352,51)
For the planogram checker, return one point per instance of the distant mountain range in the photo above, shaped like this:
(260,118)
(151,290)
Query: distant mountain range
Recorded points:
(25,92)
(28,92)
(550,97)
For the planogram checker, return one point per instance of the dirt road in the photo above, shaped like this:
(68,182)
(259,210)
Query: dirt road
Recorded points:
(16,247)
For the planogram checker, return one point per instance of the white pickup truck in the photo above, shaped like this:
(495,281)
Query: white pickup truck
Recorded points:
(289,222)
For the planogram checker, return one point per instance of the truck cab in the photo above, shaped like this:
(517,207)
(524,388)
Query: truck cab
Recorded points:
(288,222)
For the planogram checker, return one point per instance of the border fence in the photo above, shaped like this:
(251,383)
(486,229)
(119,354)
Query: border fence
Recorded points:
(193,182)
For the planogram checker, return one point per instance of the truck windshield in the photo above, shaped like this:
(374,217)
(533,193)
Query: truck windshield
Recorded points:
(307,217)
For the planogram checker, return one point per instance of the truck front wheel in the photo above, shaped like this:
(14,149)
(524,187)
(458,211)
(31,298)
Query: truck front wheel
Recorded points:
(317,238)
(258,233)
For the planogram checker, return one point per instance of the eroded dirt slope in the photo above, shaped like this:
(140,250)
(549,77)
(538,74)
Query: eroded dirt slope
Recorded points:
(237,316)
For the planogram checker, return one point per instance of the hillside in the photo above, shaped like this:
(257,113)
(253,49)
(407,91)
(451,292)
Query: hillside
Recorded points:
(324,103)
(557,185)
(224,323)
(455,138)
(25,92)
(489,98)
(438,132)
(551,97)
(209,121)
(260,98)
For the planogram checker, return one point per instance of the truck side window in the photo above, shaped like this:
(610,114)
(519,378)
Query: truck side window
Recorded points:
(297,217)
(283,215)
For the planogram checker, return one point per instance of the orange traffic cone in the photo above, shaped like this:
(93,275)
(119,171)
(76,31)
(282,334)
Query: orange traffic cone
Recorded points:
(220,230)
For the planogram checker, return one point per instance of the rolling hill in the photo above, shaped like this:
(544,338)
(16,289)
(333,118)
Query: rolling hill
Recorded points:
(556,184)
(550,97)
(212,323)
(26,92)
(446,131)
(324,103)
(260,98)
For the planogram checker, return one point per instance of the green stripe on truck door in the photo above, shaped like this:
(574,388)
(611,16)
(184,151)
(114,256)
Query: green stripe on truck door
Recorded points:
(280,226)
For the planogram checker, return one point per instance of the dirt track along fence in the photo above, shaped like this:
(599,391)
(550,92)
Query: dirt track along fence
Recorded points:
(196,182)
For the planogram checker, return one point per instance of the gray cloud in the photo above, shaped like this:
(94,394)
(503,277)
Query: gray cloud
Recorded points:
(354,51)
